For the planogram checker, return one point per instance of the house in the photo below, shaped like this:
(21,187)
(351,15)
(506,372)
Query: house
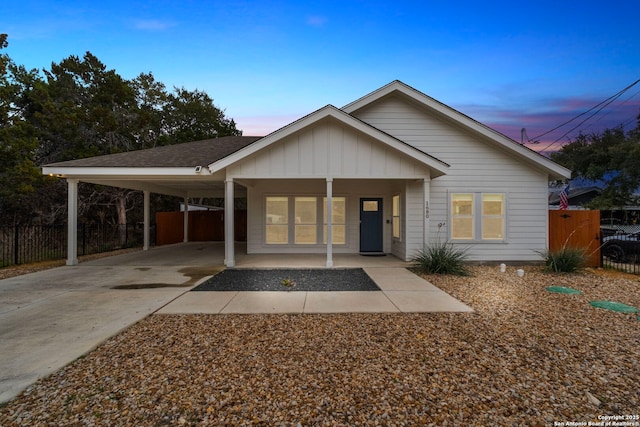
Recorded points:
(578,197)
(386,174)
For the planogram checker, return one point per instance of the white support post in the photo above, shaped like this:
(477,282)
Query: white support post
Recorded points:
(147,215)
(329,215)
(229,231)
(427,195)
(72,222)
(186,219)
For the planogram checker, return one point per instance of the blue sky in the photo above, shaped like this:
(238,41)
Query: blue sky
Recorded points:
(267,63)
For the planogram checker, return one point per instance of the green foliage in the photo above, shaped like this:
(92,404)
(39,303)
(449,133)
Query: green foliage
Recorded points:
(565,260)
(79,108)
(611,157)
(441,258)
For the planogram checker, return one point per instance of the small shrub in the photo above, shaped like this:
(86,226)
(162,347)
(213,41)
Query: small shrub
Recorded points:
(565,260)
(441,258)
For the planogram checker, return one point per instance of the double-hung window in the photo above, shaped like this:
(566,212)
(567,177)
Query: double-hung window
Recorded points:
(478,216)
(277,220)
(338,220)
(302,220)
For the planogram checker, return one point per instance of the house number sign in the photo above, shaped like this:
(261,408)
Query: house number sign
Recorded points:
(426,210)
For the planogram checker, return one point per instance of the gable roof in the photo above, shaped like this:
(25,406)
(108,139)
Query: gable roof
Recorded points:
(330,112)
(447,113)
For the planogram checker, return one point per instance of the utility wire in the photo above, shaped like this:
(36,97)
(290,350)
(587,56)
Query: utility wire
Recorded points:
(624,123)
(582,122)
(602,105)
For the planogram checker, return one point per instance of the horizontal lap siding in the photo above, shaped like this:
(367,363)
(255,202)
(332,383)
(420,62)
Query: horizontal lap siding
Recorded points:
(476,166)
(414,218)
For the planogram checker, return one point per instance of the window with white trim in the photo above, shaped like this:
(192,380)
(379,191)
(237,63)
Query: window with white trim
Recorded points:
(306,225)
(338,220)
(493,217)
(277,220)
(395,216)
(478,216)
(295,220)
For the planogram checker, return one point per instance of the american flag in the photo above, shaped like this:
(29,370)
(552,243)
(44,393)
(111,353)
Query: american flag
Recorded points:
(564,198)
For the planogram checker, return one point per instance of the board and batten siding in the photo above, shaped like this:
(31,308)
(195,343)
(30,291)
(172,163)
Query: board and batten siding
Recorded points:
(328,149)
(475,166)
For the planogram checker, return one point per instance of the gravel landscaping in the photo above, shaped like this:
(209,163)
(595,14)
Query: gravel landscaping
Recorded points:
(525,356)
(319,280)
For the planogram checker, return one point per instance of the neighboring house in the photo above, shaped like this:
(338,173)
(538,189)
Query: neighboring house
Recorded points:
(396,169)
(578,197)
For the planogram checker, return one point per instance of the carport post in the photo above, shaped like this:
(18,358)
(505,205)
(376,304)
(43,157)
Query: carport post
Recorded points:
(229,237)
(329,215)
(147,214)
(72,222)
(185,222)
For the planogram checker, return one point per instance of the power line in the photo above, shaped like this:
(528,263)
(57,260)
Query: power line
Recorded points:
(602,105)
(624,123)
(582,122)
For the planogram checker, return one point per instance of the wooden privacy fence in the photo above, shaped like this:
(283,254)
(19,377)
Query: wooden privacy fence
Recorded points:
(204,226)
(576,229)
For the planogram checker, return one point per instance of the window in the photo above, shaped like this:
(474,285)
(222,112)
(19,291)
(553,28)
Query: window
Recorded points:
(306,225)
(277,218)
(462,217)
(370,206)
(493,217)
(467,225)
(396,216)
(305,228)
(338,220)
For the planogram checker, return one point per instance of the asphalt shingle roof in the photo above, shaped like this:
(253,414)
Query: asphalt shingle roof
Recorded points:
(188,154)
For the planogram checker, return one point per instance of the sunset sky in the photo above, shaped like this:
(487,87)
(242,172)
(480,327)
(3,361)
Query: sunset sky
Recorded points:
(266,63)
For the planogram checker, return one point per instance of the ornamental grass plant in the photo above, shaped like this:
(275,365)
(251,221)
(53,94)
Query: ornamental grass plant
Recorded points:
(441,258)
(565,260)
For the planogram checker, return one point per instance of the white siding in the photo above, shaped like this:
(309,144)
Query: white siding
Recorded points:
(328,149)
(476,166)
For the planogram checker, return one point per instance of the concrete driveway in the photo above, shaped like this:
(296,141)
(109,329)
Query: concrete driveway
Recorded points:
(50,318)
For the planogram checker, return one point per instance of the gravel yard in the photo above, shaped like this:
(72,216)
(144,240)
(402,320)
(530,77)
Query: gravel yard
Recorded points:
(524,357)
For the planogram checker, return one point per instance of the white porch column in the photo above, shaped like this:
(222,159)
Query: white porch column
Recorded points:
(229,231)
(427,195)
(72,222)
(329,215)
(185,217)
(147,214)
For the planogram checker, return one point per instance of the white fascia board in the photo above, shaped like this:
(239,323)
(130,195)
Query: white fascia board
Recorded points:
(438,166)
(554,170)
(71,171)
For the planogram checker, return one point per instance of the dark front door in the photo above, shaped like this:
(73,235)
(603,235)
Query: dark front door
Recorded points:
(371,225)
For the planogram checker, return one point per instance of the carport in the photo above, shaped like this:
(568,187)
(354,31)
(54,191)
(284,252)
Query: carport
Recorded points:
(177,170)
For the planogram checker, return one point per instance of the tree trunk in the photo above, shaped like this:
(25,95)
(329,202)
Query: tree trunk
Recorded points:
(121,207)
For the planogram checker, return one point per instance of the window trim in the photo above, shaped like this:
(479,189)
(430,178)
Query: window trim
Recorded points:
(321,220)
(478,217)
(397,217)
